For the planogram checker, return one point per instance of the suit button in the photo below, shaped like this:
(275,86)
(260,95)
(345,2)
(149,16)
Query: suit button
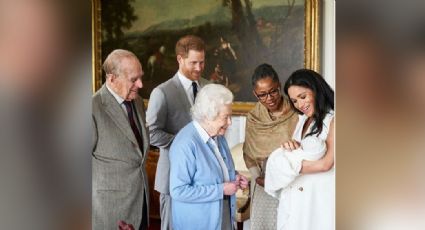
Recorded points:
(301,189)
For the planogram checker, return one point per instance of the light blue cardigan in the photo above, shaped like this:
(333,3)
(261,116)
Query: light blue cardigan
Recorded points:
(196,181)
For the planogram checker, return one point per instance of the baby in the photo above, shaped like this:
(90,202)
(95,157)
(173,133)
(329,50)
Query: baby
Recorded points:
(284,166)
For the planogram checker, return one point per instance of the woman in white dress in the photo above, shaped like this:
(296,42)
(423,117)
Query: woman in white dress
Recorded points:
(308,202)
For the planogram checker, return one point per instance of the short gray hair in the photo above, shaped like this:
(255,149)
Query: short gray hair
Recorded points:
(210,99)
(111,65)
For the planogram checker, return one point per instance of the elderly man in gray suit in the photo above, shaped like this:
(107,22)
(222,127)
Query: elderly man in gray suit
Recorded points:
(169,111)
(120,183)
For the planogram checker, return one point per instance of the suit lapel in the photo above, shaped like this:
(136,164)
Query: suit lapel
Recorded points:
(114,110)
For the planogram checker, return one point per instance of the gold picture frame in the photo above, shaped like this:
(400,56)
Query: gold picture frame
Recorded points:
(311,49)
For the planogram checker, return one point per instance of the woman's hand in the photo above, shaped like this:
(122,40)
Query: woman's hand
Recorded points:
(291,145)
(327,161)
(242,181)
(230,188)
(260,181)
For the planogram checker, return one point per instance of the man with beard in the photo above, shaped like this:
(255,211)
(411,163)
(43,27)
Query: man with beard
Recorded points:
(169,111)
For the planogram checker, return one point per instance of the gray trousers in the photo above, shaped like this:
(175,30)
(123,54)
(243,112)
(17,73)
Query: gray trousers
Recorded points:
(165,211)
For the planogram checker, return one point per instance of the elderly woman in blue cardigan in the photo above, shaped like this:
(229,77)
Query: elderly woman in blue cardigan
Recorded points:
(203,180)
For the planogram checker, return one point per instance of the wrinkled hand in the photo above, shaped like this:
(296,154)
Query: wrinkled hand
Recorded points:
(243,182)
(122,225)
(291,145)
(230,188)
(260,181)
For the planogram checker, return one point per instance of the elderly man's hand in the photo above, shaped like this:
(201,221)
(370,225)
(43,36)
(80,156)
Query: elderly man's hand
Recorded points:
(242,181)
(230,188)
(122,225)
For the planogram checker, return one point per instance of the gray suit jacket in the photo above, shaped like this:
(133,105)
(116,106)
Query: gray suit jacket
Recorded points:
(119,181)
(168,111)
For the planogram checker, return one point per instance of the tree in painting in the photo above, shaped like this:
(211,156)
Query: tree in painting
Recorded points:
(116,16)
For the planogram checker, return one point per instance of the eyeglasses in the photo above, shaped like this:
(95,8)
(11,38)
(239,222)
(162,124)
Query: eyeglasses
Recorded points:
(273,93)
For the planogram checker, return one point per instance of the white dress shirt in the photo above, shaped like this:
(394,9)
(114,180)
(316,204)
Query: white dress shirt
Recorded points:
(187,85)
(120,101)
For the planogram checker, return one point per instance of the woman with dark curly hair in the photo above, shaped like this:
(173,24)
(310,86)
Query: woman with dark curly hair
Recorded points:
(271,122)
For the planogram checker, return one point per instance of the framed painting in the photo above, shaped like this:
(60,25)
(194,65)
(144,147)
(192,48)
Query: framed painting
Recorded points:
(239,35)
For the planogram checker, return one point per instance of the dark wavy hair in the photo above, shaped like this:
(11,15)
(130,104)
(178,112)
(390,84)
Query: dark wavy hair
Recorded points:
(323,93)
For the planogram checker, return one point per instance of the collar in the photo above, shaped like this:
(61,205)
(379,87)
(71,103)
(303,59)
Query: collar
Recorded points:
(187,84)
(204,135)
(119,99)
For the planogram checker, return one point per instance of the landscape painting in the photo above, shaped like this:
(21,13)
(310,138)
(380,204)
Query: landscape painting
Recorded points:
(239,35)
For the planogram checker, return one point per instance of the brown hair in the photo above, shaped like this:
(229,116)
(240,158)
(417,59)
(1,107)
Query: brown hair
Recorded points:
(189,42)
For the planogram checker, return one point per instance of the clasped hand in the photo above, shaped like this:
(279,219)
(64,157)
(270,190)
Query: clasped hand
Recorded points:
(231,187)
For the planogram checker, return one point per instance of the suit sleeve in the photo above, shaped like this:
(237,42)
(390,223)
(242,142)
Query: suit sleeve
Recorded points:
(156,119)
